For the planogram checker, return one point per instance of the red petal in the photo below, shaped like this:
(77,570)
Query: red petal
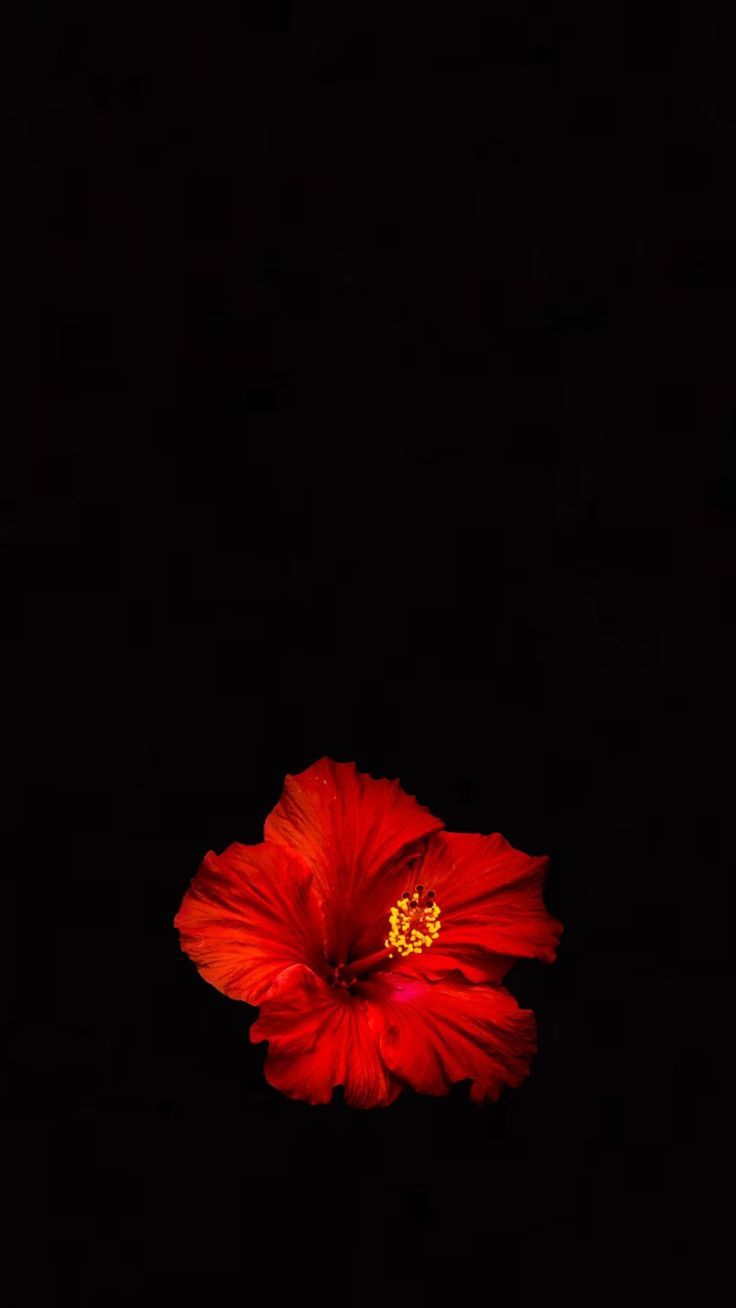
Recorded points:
(351,829)
(249,913)
(492,909)
(320,1037)
(434,1035)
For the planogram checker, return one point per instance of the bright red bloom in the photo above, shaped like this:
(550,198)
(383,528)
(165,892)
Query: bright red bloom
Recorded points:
(374,942)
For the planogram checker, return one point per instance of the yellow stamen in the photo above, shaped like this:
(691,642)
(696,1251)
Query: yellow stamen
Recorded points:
(414,923)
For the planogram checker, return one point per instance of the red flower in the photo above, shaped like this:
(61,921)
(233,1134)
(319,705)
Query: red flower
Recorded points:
(374,942)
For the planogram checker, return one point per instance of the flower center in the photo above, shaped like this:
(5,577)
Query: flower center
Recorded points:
(413,923)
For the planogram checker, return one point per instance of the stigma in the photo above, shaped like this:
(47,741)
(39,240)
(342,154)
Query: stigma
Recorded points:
(413,923)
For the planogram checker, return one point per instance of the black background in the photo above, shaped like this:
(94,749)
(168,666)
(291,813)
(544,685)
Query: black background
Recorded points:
(376,400)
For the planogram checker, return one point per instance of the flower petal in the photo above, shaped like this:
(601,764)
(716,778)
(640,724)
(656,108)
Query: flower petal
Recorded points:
(249,913)
(320,1037)
(492,907)
(351,829)
(432,1035)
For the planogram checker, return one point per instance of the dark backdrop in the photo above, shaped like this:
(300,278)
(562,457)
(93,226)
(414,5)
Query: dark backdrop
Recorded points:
(376,401)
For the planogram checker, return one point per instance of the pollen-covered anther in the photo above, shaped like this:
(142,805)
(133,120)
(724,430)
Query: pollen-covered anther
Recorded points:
(413,923)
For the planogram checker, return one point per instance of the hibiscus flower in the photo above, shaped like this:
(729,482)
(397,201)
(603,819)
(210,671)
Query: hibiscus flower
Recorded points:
(374,942)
